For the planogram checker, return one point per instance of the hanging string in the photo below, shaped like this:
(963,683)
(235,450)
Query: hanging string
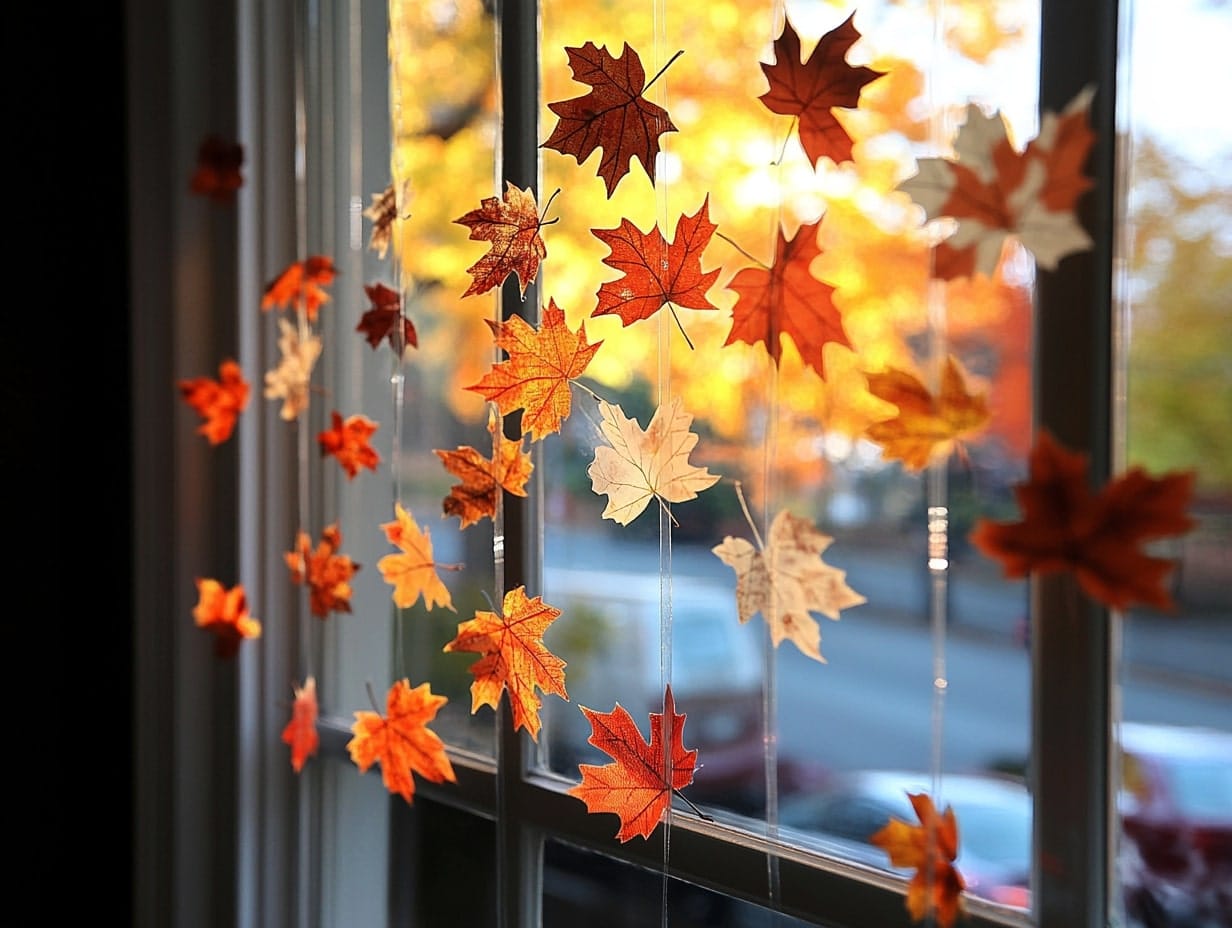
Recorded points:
(936,489)
(665,335)
(770,751)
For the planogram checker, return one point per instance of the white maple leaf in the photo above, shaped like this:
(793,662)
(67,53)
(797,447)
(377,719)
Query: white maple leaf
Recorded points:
(636,466)
(787,581)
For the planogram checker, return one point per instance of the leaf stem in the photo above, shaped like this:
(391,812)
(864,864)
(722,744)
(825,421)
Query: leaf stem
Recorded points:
(741,250)
(542,221)
(646,86)
(585,389)
(680,326)
(748,517)
(700,814)
(664,507)
(786,139)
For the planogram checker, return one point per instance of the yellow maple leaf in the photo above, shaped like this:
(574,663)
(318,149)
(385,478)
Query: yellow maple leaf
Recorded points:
(413,572)
(787,580)
(515,659)
(637,466)
(927,427)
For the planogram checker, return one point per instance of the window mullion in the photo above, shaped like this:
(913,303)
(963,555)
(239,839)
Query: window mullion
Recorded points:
(1071,642)
(520,860)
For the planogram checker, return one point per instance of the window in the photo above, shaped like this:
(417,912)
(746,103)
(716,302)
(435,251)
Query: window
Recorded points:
(997,695)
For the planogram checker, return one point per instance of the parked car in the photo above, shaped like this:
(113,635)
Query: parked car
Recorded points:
(1175,806)
(613,623)
(993,814)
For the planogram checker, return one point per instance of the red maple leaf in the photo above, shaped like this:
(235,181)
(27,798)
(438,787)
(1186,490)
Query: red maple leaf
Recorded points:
(512,226)
(347,440)
(787,300)
(301,731)
(217,174)
(656,273)
(301,286)
(636,786)
(812,89)
(219,402)
(381,320)
(614,116)
(1097,536)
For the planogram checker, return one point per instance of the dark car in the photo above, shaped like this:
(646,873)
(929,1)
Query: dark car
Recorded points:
(993,815)
(1175,806)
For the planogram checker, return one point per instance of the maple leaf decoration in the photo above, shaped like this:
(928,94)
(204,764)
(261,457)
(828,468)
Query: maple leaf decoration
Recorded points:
(926,427)
(655,273)
(930,848)
(475,498)
(225,613)
(787,581)
(613,116)
(787,301)
(638,784)
(638,466)
(400,741)
(412,572)
(218,402)
(1095,536)
(327,573)
(381,320)
(301,731)
(994,192)
(541,364)
(812,89)
(289,380)
(217,174)
(512,226)
(515,659)
(347,440)
(383,210)
(301,285)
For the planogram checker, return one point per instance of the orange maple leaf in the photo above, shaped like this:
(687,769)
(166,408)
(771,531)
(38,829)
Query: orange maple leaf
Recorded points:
(217,174)
(810,90)
(347,440)
(613,116)
(413,572)
(541,364)
(301,731)
(225,612)
(656,273)
(301,286)
(786,580)
(475,497)
(512,226)
(638,785)
(400,741)
(383,210)
(219,402)
(927,427)
(787,300)
(931,847)
(382,318)
(1097,536)
(327,573)
(515,659)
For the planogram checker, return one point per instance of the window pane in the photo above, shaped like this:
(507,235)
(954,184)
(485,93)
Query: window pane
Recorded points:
(1175,797)
(790,439)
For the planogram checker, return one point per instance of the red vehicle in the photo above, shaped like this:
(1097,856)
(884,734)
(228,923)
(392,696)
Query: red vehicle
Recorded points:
(1175,803)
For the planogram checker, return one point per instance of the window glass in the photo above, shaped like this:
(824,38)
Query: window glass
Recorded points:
(1174,859)
(650,602)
